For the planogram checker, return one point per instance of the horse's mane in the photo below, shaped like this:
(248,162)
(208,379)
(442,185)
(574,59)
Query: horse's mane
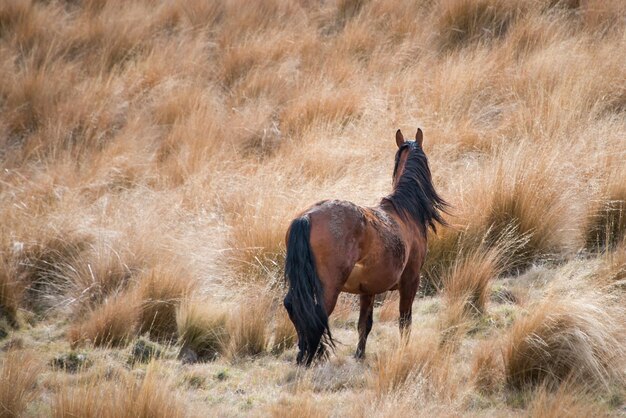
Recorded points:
(414,196)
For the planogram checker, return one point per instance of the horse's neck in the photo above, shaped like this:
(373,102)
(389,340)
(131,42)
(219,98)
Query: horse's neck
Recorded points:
(400,215)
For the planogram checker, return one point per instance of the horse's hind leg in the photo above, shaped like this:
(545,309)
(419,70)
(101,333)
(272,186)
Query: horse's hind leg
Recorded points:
(408,289)
(366,319)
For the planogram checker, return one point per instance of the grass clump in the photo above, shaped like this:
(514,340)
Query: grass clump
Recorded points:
(516,204)
(566,401)
(11,292)
(487,368)
(303,405)
(18,379)
(468,282)
(161,291)
(461,22)
(578,338)
(257,235)
(203,330)
(408,359)
(249,328)
(42,268)
(150,397)
(102,270)
(523,200)
(285,335)
(112,324)
(606,227)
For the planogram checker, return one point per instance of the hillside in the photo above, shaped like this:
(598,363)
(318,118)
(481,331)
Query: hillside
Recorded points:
(153,154)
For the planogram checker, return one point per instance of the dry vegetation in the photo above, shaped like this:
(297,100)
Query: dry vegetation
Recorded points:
(152,154)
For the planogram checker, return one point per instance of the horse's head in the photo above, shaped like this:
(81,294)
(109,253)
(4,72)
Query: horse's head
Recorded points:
(405,148)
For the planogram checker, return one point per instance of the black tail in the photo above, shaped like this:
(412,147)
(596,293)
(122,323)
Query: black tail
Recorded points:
(305,300)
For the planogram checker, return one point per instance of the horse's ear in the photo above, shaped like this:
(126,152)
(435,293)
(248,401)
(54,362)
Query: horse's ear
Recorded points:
(399,138)
(419,137)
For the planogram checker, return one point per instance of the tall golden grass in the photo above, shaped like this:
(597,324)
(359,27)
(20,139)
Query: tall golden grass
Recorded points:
(149,397)
(578,338)
(203,329)
(152,155)
(18,382)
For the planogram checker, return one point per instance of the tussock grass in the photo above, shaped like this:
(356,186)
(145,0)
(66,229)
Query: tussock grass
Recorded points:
(203,329)
(612,273)
(607,224)
(467,284)
(112,324)
(580,338)
(102,270)
(469,280)
(150,397)
(285,335)
(409,358)
(18,382)
(516,205)
(389,310)
(42,266)
(566,400)
(10,293)
(460,22)
(521,196)
(443,250)
(161,290)
(259,218)
(487,367)
(249,327)
(153,154)
(302,405)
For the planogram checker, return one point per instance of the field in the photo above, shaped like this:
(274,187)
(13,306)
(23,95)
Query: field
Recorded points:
(153,153)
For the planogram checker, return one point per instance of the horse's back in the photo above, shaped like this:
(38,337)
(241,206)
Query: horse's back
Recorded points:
(356,249)
(337,228)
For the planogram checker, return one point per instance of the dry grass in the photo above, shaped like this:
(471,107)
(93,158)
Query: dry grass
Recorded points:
(580,339)
(161,291)
(285,335)
(153,154)
(521,197)
(463,21)
(408,359)
(469,280)
(249,328)
(113,323)
(304,405)
(566,400)
(102,270)
(18,382)
(612,273)
(343,314)
(42,266)
(487,367)
(467,284)
(149,397)
(607,226)
(203,328)
(389,310)
(10,293)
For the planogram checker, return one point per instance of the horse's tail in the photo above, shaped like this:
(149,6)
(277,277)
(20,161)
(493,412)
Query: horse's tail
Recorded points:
(305,300)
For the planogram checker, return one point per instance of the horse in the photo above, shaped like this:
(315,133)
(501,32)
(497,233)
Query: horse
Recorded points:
(337,246)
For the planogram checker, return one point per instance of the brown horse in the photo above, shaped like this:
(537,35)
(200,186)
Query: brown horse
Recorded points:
(336,246)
